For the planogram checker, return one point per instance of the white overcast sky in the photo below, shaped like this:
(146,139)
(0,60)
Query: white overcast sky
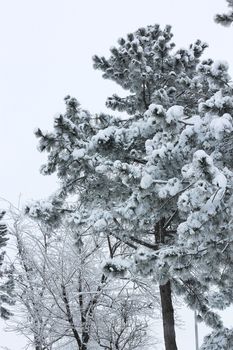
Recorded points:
(46,50)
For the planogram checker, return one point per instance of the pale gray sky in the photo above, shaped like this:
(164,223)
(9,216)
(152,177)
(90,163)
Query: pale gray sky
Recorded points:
(46,50)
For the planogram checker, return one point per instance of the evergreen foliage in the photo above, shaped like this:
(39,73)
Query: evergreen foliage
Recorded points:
(226,144)
(221,339)
(6,277)
(227,18)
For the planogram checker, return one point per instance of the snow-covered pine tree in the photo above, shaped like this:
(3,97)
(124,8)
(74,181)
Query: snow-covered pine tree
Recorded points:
(227,18)
(6,278)
(223,338)
(156,179)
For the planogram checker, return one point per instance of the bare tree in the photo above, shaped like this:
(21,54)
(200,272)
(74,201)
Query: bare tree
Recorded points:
(64,296)
(122,326)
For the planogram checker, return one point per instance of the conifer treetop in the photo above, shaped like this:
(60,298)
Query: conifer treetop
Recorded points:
(145,64)
(226,19)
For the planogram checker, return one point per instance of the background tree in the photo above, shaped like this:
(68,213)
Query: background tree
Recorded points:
(226,19)
(226,144)
(6,280)
(64,296)
(223,339)
(121,326)
(35,308)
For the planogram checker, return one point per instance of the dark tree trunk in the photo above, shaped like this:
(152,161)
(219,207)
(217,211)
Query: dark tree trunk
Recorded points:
(38,346)
(37,342)
(70,318)
(83,347)
(168,316)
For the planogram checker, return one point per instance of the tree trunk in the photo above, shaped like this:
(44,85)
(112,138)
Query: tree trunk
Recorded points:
(83,347)
(168,316)
(38,347)
(37,342)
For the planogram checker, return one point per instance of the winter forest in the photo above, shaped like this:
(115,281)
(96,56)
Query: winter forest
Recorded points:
(137,228)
